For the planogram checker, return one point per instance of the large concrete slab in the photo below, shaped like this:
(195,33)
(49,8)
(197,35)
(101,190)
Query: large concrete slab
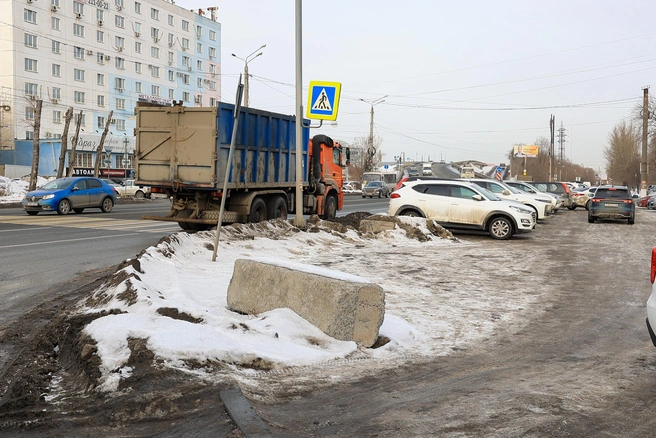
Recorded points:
(343,306)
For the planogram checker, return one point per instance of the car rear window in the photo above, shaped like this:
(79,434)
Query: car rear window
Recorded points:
(613,193)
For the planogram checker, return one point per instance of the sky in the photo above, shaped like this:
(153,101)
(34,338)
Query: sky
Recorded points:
(429,311)
(463,80)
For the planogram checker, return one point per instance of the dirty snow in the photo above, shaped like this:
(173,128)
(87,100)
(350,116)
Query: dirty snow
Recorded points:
(13,190)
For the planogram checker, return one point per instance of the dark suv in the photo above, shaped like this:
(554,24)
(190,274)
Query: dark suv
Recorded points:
(612,202)
(557,188)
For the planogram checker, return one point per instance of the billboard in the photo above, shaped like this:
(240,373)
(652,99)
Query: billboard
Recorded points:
(525,151)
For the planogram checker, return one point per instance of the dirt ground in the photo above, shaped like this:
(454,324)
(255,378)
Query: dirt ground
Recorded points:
(583,367)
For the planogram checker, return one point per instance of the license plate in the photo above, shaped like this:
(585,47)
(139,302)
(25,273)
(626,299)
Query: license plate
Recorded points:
(32,204)
(610,205)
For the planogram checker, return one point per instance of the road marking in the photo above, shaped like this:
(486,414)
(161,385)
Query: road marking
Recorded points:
(95,223)
(66,240)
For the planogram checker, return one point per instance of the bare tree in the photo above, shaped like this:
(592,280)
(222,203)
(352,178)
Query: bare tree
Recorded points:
(99,149)
(623,153)
(35,146)
(64,145)
(71,164)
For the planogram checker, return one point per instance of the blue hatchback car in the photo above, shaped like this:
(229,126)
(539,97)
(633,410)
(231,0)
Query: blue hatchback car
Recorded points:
(65,194)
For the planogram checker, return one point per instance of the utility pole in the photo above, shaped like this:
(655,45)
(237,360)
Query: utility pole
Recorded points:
(552,126)
(645,127)
(371,151)
(246,60)
(35,146)
(562,134)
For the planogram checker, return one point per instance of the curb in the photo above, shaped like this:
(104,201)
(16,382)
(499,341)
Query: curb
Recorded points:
(242,413)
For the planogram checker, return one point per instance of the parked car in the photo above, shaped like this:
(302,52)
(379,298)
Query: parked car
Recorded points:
(557,203)
(612,202)
(65,194)
(581,197)
(558,188)
(112,183)
(541,204)
(129,188)
(458,204)
(413,172)
(375,188)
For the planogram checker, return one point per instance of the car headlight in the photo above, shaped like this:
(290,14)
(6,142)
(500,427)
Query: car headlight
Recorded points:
(521,209)
(50,196)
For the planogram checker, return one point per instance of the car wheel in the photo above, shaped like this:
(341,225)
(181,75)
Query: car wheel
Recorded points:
(107,205)
(411,213)
(380,194)
(500,228)
(330,209)
(587,205)
(32,213)
(631,221)
(363,196)
(78,210)
(591,219)
(64,207)
(258,211)
(571,207)
(139,194)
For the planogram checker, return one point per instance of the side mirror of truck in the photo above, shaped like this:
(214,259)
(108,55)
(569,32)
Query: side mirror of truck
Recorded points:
(347,154)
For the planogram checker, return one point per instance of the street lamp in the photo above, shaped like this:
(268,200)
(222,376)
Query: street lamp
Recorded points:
(246,60)
(370,150)
(125,155)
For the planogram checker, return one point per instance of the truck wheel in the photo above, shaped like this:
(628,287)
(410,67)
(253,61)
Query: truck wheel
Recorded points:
(258,211)
(330,209)
(277,208)
(139,194)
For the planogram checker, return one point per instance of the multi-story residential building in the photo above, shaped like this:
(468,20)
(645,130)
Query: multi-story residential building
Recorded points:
(98,57)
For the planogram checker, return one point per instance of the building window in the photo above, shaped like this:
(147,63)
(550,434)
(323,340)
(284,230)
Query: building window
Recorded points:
(137,47)
(171,93)
(78,52)
(29,113)
(213,69)
(137,7)
(137,67)
(56,93)
(155,71)
(171,76)
(119,3)
(120,104)
(100,79)
(185,25)
(120,63)
(199,82)
(56,70)
(199,99)
(101,101)
(154,52)
(29,135)
(78,74)
(185,79)
(212,52)
(154,34)
(212,86)
(54,3)
(78,8)
(100,15)
(137,28)
(185,44)
(171,40)
(54,23)
(199,32)
(100,57)
(100,36)
(30,40)
(30,16)
(120,124)
(199,48)
(212,37)
(119,21)
(199,65)
(171,55)
(137,87)
(171,22)
(120,42)
(31,89)
(79,96)
(83,159)
(31,65)
(185,61)
(185,96)
(154,14)
(154,90)
(56,116)
(101,121)
(120,84)
(78,30)
(212,101)
(56,47)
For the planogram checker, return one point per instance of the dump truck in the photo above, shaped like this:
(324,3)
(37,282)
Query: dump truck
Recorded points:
(183,152)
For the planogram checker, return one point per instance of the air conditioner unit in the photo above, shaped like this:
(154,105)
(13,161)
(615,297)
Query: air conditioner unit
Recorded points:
(100,22)
(150,67)
(199,99)
(29,1)
(107,57)
(119,7)
(120,49)
(54,100)
(89,52)
(53,8)
(170,63)
(189,68)
(78,15)
(207,81)
(32,97)
(170,44)
(137,34)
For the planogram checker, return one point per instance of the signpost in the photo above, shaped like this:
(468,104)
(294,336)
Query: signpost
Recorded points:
(323,100)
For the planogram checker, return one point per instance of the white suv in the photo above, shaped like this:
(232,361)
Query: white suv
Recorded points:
(458,204)
(541,204)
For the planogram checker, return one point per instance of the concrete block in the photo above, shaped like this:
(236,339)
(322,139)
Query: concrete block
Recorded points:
(343,306)
(376,226)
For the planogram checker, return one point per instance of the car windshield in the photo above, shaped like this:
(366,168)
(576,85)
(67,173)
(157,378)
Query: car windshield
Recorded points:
(514,190)
(374,184)
(488,194)
(58,184)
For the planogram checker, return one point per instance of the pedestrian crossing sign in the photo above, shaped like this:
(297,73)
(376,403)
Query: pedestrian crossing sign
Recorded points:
(323,100)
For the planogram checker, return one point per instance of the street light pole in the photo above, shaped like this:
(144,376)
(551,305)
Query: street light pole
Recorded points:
(370,150)
(246,60)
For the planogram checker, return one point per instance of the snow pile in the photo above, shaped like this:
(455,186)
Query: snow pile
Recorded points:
(173,297)
(13,190)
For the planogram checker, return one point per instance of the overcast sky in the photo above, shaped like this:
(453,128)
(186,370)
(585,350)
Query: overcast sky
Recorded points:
(466,80)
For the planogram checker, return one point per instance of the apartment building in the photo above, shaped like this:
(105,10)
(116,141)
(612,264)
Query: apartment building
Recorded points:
(98,57)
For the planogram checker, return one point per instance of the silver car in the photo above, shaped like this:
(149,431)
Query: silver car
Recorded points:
(375,188)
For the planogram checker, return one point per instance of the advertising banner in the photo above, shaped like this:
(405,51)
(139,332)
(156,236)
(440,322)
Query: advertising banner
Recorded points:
(526,151)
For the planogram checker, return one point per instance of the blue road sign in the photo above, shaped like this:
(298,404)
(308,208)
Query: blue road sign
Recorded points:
(323,100)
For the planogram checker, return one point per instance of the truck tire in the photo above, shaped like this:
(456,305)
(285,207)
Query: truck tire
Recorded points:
(277,208)
(258,211)
(330,209)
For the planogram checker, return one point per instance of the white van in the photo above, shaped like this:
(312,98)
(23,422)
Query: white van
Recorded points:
(427,169)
